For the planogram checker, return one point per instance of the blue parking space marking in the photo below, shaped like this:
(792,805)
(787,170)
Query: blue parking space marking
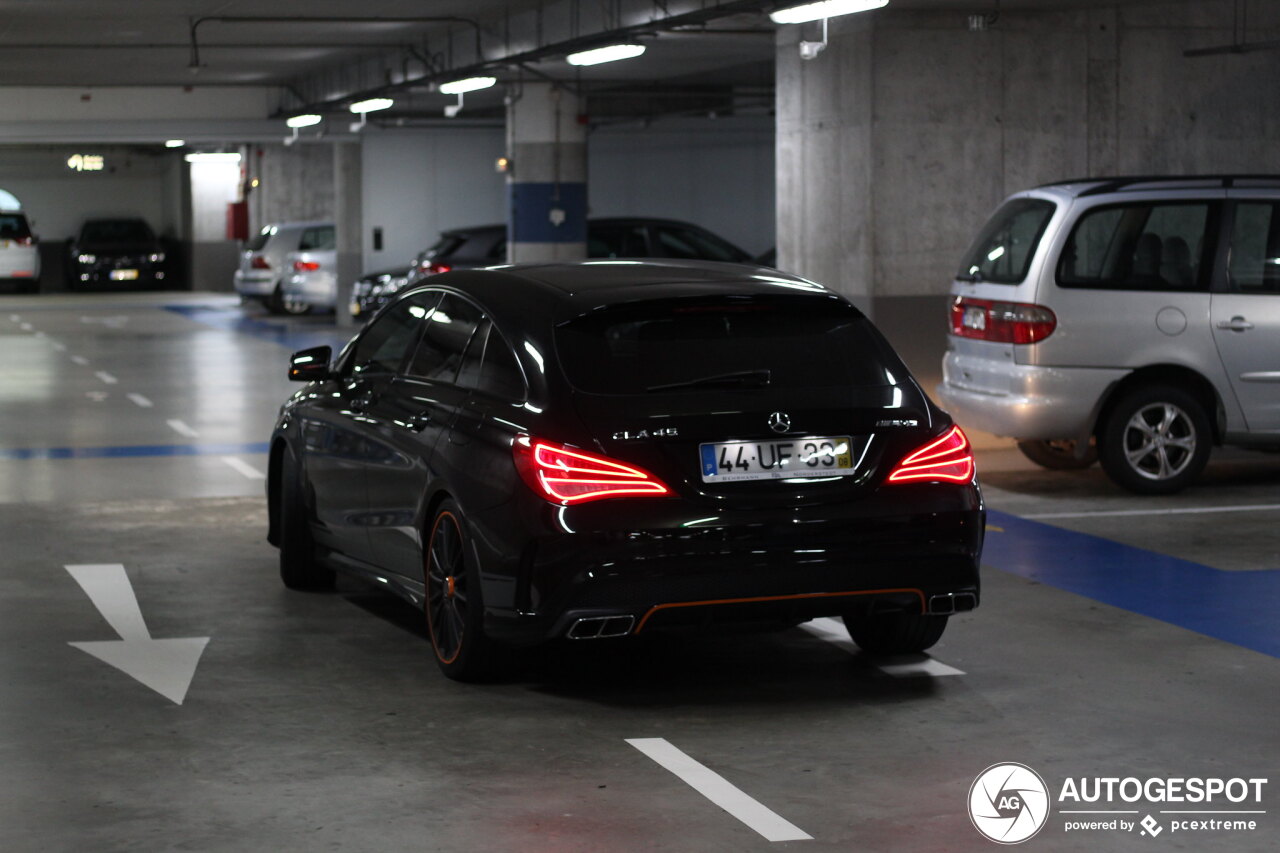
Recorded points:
(135,451)
(1236,606)
(288,335)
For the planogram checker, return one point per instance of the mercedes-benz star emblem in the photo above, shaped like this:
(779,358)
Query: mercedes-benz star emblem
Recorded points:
(779,422)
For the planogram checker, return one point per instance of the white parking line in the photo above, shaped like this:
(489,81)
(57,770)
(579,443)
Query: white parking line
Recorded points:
(80,360)
(1193,510)
(26,327)
(834,632)
(60,347)
(139,401)
(720,791)
(15,317)
(244,468)
(182,429)
(106,377)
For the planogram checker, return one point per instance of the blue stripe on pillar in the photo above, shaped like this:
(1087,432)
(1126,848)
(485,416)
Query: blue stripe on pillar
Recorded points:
(530,217)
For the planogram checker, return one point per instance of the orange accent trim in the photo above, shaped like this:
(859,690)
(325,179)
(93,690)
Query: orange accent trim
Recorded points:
(798,596)
(426,599)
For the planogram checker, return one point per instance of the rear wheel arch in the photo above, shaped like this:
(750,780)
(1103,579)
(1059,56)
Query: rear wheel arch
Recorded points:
(275,465)
(1167,374)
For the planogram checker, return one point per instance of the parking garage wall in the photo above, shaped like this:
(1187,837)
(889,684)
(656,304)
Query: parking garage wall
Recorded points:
(897,141)
(717,173)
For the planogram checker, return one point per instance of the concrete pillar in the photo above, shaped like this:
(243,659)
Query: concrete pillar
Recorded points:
(348,220)
(897,141)
(547,176)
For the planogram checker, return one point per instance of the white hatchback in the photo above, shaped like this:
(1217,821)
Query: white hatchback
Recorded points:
(19,254)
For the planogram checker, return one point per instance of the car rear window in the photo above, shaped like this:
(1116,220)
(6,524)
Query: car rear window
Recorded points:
(683,346)
(481,246)
(257,241)
(13,226)
(1003,251)
(116,231)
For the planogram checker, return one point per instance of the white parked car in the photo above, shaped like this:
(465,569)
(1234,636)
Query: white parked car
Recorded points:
(265,263)
(311,280)
(19,254)
(1140,315)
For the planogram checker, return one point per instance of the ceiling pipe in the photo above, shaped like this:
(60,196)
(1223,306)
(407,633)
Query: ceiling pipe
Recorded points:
(321,19)
(572,45)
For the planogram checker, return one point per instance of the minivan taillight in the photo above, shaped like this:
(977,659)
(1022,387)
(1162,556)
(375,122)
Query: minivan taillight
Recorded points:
(566,475)
(948,458)
(432,268)
(1001,322)
(26,241)
(259,263)
(305,266)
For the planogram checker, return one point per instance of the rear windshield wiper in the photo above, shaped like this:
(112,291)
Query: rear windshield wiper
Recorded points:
(742,378)
(973,276)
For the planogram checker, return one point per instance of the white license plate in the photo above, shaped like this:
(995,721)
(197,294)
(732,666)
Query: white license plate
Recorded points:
(810,456)
(124,275)
(975,318)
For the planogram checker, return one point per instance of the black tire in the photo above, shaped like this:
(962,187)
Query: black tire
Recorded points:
(278,304)
(1155,440)
(894,633)
(453,603)
(299,568)
(1058,455)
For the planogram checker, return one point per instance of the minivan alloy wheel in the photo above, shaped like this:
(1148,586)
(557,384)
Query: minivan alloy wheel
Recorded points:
(1155,439)
(1159,441)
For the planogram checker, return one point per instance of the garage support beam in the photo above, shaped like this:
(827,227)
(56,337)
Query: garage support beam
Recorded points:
(348,220)
(547,175)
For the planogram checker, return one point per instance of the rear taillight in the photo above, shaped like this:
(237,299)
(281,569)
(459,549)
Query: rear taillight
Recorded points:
(26,241)
(948,458)
(432,268)
(259,263)
(566,475)
(305,266)
(1001,322)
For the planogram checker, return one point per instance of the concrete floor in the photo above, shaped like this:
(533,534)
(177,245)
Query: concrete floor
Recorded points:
(319,722)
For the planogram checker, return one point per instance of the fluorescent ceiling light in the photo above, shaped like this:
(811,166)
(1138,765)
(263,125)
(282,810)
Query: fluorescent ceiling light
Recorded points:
(824,9)
(371,105)
(213,157)
(175,143)
(305,120)
(471,84)
(612,53)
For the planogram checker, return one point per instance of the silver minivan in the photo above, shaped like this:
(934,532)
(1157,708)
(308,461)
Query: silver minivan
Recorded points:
(265,265)
(1131,320)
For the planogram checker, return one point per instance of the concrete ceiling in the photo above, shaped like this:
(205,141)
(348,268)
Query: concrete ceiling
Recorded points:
(319,57)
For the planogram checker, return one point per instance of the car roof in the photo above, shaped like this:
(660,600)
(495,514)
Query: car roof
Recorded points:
(563,290)
(607,220)
(1080,187)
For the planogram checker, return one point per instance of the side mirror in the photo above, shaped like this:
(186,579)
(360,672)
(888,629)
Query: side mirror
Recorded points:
(310,365)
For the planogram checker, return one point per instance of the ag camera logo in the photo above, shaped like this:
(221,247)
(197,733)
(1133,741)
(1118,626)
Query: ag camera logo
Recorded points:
(1008,803)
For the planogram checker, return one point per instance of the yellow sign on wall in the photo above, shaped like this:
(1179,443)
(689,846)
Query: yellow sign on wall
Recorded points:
(85,162)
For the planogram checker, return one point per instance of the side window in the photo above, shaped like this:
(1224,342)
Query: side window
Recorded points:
(445,336)
(383,346)
(469,370)
(1255,248)
(687,243)
(318,239)
(1137,247)
(616,241)
(500,374)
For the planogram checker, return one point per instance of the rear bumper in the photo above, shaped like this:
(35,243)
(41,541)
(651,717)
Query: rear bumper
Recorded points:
(319,290)
(1023,401)
(749,566)
(248,284)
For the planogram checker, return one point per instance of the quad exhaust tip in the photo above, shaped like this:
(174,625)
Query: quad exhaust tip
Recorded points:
(599,627)
(952,602)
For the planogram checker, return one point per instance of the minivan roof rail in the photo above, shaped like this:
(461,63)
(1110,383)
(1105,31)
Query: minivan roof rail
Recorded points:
(1133,182)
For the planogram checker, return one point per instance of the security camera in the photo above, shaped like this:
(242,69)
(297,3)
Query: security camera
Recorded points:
(811,49)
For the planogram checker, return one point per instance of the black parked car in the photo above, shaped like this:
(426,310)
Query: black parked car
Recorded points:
(117,252)
(593,450)
(486,245)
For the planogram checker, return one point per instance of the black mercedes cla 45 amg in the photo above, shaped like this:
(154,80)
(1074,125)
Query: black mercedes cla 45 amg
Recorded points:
(607,448)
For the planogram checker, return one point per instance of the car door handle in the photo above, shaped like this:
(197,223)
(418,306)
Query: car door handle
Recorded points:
(1235,324)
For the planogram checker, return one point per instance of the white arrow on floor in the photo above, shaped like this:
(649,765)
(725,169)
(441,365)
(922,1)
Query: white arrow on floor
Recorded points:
(166,666)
